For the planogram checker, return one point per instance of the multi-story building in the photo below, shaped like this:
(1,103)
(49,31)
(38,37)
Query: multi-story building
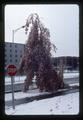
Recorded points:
(13,53)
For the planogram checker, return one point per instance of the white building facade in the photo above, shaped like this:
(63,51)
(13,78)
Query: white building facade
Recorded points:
(13,53)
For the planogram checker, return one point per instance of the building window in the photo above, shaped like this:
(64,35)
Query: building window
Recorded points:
(15,46)
(10,50)
(15,55)
(10,45)
(10,60)
(16,51)
(20,55)
(10,55)
(16,60)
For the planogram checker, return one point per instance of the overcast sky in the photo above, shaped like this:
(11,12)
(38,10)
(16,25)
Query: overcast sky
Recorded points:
(61,20)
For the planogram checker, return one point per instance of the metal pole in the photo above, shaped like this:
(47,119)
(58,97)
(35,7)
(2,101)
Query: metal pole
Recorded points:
(12,78)
(13,31)
(12,83)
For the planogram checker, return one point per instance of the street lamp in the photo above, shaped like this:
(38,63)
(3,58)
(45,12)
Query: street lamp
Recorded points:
(12,78)
(13,31)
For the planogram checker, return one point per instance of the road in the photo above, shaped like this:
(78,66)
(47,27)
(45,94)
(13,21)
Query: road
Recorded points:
(19,86)
(71,80)
(25,100)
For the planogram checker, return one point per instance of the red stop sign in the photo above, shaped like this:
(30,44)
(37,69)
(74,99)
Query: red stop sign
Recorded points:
(11,70)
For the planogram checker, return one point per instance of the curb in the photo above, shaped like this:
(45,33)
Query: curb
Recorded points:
(72,89)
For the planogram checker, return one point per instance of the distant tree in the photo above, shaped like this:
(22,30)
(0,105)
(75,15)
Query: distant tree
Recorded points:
(37,57)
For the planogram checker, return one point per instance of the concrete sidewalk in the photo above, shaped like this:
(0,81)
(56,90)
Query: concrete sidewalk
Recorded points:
(27,99)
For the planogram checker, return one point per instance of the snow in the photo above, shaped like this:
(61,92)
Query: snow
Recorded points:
(20,79)
(76,84)
(71,75)
(17,79)
(61,105)
(19,95)
(29,93)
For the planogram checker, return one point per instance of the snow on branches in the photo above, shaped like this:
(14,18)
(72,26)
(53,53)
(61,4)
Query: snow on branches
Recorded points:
(37,56)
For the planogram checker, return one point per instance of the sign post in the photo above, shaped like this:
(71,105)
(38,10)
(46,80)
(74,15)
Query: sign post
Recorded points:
(12,70)
(12,85)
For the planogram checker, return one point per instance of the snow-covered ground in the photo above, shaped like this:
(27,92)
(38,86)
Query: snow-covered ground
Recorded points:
(74,84)
(18,95)
(61,105)
(17,79)
(71,75)
(20,79)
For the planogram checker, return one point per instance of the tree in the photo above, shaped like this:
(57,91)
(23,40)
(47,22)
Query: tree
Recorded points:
(37,57)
